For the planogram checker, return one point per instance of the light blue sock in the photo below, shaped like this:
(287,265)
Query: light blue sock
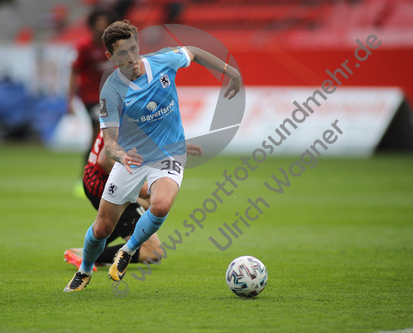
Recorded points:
(92,249)
(147,225)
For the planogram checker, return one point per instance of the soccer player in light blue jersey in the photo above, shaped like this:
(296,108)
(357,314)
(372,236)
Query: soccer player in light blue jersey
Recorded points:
(143,133)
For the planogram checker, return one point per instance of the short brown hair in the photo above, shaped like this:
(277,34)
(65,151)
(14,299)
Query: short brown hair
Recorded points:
(116,31)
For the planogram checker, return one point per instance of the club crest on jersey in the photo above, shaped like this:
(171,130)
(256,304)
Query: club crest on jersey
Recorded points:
(165,81)
(152,106)
(176,50)
(112,189)
(103,108)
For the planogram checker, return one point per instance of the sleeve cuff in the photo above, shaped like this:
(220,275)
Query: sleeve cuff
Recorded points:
(188,58)
(109,124)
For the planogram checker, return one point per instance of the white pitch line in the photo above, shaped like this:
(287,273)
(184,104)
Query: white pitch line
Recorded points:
(406,330)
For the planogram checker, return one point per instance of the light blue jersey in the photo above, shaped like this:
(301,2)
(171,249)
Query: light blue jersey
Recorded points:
(147,109)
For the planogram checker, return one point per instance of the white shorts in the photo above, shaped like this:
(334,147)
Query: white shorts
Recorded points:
(123,186)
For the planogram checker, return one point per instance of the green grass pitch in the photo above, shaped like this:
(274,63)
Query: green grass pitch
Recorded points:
(338,246)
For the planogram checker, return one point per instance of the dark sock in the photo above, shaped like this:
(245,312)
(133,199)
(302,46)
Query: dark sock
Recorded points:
(110,251)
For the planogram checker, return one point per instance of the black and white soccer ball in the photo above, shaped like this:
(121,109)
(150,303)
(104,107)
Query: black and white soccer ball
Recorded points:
(246,276)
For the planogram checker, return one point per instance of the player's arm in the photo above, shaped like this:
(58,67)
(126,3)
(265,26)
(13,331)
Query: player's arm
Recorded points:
(208,60)
(116,152)
(77,67)
(104,161)
(74,77)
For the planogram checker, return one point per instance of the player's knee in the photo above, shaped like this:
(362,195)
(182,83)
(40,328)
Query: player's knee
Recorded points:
(102,231)
(160,209)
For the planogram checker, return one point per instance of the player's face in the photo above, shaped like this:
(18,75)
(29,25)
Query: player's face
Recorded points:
(126,56)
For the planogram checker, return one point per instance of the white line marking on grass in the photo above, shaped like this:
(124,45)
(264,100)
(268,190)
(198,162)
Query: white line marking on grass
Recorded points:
(406,330)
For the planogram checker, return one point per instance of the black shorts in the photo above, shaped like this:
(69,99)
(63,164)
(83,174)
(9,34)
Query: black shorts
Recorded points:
(127,221)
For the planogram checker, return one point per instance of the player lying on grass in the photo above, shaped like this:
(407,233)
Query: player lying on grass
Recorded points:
(143,133)
(94,179)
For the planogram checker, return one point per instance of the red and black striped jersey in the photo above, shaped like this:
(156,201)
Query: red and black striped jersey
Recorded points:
(94,177)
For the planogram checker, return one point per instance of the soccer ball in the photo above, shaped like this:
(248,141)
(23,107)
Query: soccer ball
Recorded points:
(246,276)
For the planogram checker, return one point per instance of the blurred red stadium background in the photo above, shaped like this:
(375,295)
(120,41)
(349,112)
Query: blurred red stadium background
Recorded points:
(284,43)
(290,43)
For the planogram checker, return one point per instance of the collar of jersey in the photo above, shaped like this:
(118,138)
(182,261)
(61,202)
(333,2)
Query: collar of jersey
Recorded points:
(132,84)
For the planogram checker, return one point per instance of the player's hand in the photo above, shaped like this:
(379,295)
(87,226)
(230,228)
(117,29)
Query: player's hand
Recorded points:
(131,158)
(193,149)
(234,85)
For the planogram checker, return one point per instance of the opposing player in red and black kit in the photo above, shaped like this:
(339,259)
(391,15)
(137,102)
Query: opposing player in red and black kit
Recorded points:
(94,179)
(89,66)
(88,71)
